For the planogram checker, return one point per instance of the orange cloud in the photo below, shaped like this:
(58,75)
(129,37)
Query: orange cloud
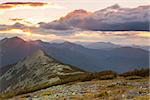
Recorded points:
(9,5)
(25,21)
(16,19)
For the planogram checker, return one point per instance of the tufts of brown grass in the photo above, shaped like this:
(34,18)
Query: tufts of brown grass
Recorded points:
(137,72)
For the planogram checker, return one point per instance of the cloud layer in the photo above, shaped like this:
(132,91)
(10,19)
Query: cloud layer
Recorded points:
(113,18)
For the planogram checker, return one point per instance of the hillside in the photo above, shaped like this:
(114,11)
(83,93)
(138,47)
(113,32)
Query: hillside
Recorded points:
(36,72)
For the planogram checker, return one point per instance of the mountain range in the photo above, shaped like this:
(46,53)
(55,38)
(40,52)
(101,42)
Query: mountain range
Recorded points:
(102,45)
(109,45)
(118,59)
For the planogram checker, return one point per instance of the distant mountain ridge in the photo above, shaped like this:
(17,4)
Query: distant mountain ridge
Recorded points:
(102,45)
(117,59)
(109,45)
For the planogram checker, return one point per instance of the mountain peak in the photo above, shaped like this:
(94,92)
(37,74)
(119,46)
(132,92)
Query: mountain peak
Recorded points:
(16,37)
(12,39)
(70,45)
(36,41)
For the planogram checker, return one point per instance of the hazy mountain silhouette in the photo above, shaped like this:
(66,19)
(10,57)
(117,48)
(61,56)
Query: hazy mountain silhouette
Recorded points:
(102,45)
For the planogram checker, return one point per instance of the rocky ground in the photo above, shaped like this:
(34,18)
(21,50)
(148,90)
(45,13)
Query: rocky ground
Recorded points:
(116,89)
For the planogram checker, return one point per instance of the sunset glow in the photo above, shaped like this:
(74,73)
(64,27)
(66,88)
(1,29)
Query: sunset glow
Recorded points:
(16,31)
(144,34)
(78,20)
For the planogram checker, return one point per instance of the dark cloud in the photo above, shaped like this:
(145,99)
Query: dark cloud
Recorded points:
(16,19)
(9,5)
(126,26)
(54,25)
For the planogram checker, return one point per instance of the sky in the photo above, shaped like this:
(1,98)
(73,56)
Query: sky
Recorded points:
(58,8)
(35,11)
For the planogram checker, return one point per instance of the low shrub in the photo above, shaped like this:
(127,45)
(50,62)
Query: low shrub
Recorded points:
(102,94)
(133,77)
(137,72)
(105,75)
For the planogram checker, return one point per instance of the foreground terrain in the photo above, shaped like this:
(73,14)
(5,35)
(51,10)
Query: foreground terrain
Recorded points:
(115,89)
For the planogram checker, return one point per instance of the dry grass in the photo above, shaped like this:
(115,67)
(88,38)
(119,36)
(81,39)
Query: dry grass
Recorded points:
(103,91)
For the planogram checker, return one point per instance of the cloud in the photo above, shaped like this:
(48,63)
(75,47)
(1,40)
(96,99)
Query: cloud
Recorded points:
(108,19)
(54,25)
(45,30)
(10,5)
(38,30)
(16,19)
(26,21)
(119,37)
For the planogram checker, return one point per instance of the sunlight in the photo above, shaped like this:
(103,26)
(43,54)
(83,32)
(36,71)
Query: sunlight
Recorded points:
(144,34)
(17,31)
(29,33)
(12,31)
(87,34)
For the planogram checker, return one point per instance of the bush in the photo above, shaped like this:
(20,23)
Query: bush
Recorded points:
(105,75)
(133,77)
(102,94)
(141,72)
